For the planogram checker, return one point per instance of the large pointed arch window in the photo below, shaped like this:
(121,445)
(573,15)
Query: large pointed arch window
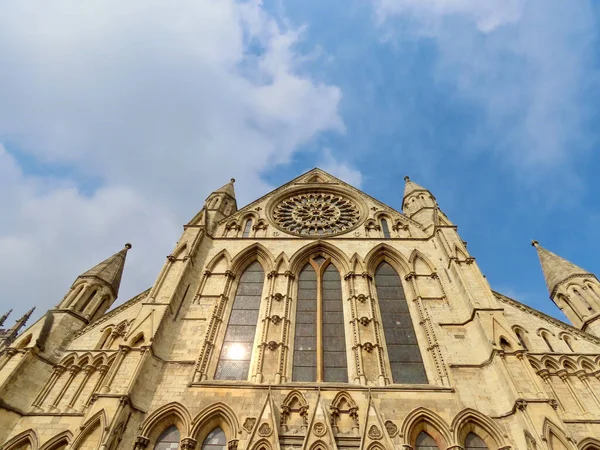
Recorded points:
(402,346)
(319,343)
(234,361)
(215,440)
(168,440)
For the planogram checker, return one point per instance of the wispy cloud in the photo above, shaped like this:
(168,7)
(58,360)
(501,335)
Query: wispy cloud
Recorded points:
(526,64)
(157,104)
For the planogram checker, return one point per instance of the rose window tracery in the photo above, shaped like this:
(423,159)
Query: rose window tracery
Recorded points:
(316,214)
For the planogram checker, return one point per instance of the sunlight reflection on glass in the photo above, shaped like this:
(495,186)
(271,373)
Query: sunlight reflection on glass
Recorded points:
(236,351)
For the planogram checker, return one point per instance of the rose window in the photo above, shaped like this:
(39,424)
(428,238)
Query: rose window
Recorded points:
(316,214)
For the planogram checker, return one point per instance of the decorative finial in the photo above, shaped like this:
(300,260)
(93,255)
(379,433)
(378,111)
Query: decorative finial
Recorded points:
(232,180)
(407,178)
(128,246)
(534,243)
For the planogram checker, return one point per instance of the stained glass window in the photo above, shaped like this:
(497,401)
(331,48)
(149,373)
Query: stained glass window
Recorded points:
(403,349)
(234,361)
(385,229)
(168,440)
(305,341)
(247,228)
(425,442)
(474,442)
(215,440)
(335,366)
(307,359)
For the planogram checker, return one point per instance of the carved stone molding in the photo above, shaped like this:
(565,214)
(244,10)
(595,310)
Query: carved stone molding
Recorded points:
(141,442)
(368,347)
(265,430)
(278,297)
(275,319)
(272,345)
(188,444)
(375,433)
(232,444)
(391,428)
(249,424)
(319,429)
(364,320)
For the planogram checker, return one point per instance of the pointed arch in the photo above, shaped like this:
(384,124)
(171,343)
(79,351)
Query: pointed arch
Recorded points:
(319,445)
(218,259)
(375,446)
(568,363)
(99,360)
(423,419)
(255,252)
(461,255)
(535,364)
(96,422)
(27,436)
(215,415)
(549,363)
(384,252)
(69,360)
(294,397)
(282,262)
(520,333)
(262,444)
(173,413)
(472,421)
(343,396)
(586,363)
(58,441)
(551,431)
(420,263)
(589,444)
(338,257)
(357,264)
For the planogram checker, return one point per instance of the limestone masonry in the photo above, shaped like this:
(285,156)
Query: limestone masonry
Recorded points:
(313,318)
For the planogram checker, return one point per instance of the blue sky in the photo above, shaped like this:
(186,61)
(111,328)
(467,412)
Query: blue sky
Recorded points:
(116,121)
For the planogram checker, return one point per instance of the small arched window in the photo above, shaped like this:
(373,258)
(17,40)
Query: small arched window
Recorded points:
(547,340)
(104,339)
(247,228)
(385,229)
(521,338)
(474,442)
(168,440)
(215,440)
(88,300)
(569,343)
(583,300)
(505,345)
(425,442)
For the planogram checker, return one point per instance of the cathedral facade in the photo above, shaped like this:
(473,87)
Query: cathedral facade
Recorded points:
(314,318)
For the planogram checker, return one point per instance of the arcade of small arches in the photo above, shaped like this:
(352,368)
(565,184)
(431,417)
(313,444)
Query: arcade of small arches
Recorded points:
(217,427)
(272,309)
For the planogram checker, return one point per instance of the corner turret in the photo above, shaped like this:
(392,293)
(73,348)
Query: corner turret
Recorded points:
(574,290)
(420,205)
(11,334)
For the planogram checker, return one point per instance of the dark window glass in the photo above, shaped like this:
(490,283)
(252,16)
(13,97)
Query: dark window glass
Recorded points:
(547,342)
(425,442)
(168,440)
(334,346)
(247,228)
(88,300)
(385,229)
(234,361)
(473,442)
(305,342)
(215,440)
(519,334)
(403,350)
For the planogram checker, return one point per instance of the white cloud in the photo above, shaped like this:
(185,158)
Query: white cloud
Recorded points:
(525,63)
(340,169)
(158,105)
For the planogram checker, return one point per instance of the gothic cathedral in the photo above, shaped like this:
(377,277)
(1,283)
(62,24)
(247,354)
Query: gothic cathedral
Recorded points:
(314,318)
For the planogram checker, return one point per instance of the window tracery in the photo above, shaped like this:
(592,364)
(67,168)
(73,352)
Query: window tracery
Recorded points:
(316,214)
(168,440)
(319,344)
(247,228)
(216,440)
(403,350)
(236,353)
(385,229)
(425,442)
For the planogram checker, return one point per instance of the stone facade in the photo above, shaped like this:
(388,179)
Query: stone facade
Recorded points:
(353,293)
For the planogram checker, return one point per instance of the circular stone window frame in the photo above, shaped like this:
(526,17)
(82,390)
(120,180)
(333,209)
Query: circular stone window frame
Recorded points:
(318,189)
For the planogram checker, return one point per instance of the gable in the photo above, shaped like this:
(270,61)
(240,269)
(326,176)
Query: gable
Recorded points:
(316,205)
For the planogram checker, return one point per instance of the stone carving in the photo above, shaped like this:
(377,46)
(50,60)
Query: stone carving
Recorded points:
(368,347)
(375,433)
(275,319)
(319,429)
(391,428)
(364,320)
(249,424)
(361,298)
(278,297)
(272,345)
(232,444)
(265,430)
(316,214)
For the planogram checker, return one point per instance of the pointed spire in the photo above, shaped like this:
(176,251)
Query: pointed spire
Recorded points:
(23,320)
(228,189)
(556,269)
(110,270)
(4,317)
(411,187)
